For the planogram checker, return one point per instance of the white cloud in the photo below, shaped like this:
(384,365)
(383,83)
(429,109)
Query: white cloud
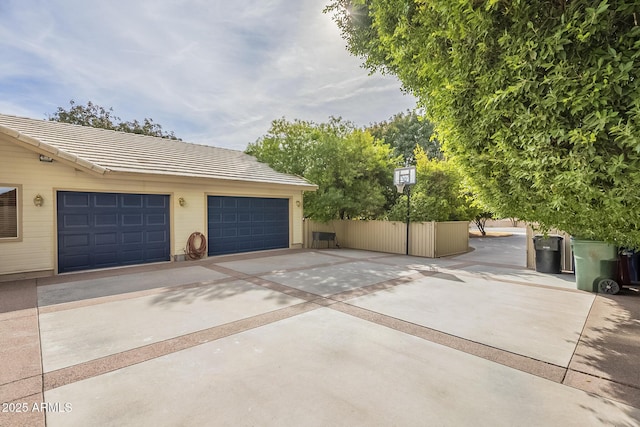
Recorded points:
(214,72)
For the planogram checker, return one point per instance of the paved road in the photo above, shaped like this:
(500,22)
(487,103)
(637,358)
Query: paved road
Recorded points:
(320,337)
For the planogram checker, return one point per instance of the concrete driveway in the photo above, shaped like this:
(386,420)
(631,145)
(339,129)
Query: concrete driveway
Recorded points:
(319,337)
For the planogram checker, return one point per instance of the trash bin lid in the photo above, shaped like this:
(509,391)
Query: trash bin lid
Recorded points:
(549,243)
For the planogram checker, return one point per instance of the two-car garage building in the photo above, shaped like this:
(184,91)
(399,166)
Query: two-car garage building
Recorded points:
(77,198)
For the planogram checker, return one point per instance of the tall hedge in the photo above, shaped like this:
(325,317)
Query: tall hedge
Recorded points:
(538,101)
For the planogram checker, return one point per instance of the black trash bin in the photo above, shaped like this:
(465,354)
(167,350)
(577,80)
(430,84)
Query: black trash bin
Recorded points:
(548,254)
(629,267)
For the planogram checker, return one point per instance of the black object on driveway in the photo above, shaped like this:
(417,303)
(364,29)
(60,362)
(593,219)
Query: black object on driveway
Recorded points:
(548,254)
(628,273)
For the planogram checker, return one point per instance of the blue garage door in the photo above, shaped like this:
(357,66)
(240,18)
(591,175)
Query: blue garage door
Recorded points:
(245,224)
(97,230)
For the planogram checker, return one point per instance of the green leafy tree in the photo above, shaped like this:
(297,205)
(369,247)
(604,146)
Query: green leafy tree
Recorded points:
(93,115)
(286,145)
(480,220)
(406,131)
(353,170)
(538,101)
(439,193)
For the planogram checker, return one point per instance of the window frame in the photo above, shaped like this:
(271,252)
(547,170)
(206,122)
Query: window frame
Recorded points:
(18,188)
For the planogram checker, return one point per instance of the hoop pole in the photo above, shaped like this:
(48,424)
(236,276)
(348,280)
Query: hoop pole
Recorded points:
(408,215)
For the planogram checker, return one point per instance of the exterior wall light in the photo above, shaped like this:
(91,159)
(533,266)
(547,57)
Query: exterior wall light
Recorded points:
(298,203)
(38,200)
(182,202)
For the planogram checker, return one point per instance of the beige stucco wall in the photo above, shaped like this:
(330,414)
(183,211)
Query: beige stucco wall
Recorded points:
(36,250)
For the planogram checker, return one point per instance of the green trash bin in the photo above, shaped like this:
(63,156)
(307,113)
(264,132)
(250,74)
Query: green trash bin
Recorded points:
(593,261)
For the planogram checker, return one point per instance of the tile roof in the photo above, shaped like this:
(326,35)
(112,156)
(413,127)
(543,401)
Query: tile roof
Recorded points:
(105,151)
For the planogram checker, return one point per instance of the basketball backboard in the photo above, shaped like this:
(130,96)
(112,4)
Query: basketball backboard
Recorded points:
(403,177)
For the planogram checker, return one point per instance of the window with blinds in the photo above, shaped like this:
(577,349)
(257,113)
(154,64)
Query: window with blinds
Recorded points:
(8,212)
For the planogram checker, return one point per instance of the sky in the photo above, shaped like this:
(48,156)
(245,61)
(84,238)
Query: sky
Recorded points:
(214,72)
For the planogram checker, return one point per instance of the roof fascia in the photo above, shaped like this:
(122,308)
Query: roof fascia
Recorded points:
(40,147)
(169,178)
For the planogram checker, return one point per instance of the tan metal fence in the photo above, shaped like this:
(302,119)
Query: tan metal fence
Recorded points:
(426,239)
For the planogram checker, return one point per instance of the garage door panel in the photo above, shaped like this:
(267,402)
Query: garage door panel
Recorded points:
(76,221)
(120,229)
(256,244)
(229,232)
(154,255)
(106,220)
(105,257)
(230,203)
(76,199)
(273,241)
(214,217)
(244,204)
(214,202)
(132,201)
(156,236)
(239,224)
(102,239)
(157,201)
(228,217)
(133,238)
(105,200)
(281,229)
(130,257)
(244,231)
(243,246)
(78,261)
(156,219)
(132,220)
(76,240)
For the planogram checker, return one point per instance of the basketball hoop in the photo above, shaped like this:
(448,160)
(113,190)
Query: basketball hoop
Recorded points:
(404,177)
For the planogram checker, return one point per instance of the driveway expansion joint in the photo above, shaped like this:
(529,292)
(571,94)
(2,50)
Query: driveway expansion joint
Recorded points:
(610,380)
